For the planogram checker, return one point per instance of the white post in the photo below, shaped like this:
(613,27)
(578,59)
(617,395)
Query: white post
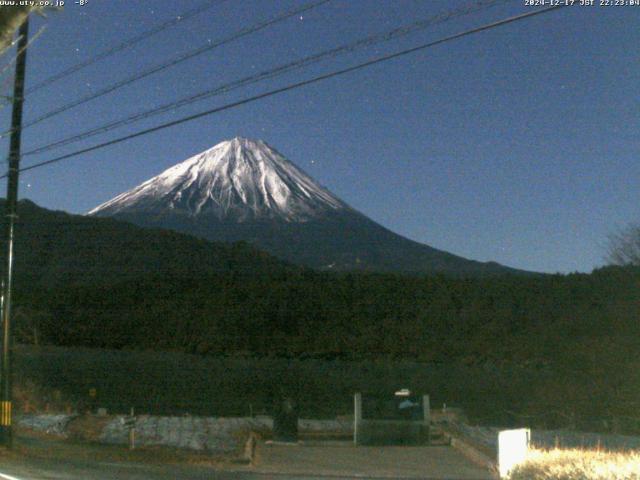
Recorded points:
(426,409)
(357,416)
(132,431)
(426,412)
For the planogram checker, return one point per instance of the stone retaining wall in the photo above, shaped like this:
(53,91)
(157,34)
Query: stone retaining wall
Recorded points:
(51,424)
(211,434)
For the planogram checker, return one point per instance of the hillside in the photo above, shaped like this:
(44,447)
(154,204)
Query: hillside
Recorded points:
(556,349)
(555,346)
(56,249)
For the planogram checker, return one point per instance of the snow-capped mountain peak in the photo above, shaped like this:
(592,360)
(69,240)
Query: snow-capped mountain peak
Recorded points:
(244,190)
(236,180)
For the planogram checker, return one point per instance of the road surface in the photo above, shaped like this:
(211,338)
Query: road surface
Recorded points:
(49,461)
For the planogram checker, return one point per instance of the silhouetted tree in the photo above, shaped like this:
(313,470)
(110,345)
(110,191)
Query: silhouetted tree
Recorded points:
(624,246)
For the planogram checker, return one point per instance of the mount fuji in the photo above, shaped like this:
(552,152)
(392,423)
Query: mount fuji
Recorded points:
(245,190)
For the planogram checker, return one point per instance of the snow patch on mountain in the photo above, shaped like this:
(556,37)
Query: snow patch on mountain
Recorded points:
(236,180)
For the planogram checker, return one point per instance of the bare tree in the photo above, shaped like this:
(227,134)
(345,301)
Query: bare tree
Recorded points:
(31,324)
(624,246)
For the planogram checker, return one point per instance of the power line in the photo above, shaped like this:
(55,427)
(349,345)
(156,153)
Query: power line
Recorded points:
(175,61)
(9,46)
(8,99)
(293,86)
(124,45)
(19,52)
(274,72)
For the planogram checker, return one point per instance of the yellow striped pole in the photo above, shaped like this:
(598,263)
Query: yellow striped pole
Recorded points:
(5,414)
(6,433)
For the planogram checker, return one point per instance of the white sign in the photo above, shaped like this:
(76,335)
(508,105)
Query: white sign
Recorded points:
(513,446)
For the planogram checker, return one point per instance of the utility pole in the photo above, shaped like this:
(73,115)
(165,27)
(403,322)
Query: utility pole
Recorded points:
(10,214)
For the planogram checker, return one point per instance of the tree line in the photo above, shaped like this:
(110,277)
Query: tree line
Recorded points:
(569,341)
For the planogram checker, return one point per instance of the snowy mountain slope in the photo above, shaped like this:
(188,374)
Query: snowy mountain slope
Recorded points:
(244,190)
(239,180)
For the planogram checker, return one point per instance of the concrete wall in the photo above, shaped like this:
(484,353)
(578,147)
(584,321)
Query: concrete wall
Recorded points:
(392,432)
(213,434)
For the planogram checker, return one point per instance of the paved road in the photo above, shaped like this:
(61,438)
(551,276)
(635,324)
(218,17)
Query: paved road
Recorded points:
(38,469)
(342,459)
(273,462)
(56,470)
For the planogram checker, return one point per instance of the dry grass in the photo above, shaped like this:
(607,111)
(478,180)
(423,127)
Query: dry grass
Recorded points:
(563,464)
(28,397)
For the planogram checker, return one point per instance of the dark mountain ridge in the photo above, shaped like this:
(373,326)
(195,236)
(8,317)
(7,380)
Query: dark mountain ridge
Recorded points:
(55,248)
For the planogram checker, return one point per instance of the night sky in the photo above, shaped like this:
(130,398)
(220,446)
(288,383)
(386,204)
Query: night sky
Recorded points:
(518,145)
